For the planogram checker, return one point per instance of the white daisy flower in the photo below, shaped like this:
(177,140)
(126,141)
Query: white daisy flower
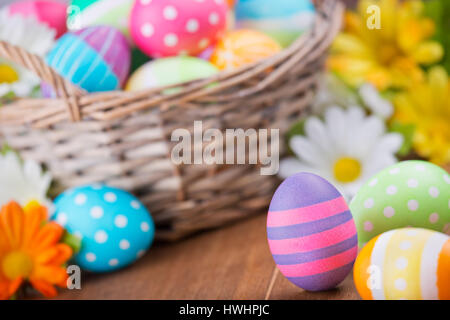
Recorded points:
(23,182)
(347,148)
(31,35)
(375,102)
(333,92)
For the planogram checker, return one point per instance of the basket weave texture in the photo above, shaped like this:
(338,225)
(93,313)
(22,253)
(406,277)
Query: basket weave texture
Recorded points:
(124,138)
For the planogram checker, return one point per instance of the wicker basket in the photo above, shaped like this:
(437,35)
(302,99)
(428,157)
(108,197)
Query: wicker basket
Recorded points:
(124,139)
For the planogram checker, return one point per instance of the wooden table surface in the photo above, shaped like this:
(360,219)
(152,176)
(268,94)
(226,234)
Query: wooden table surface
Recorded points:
(230,263)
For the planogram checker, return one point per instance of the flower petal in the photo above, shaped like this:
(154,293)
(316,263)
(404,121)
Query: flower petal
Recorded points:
(50,274)
(389,143)
(289,167)
(307,151)
(318,134)
(11,222)
(428,52)
(44,287)
(49,235)
(373,100)
(14,286)
(56,255)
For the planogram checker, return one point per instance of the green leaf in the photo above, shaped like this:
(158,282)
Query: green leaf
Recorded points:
(407,131)
(6,149)
(298,129)
(439,12)
(72,241)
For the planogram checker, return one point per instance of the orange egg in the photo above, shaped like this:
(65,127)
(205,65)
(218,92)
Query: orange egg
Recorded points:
(241,47)
(404,264)
(230,3)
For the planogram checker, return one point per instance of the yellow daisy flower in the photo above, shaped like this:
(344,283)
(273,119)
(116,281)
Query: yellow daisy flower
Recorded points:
(427,105)
(388,56)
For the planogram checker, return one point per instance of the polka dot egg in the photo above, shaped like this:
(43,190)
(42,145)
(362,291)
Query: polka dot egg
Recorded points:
(411,264)
(311,233)
(408,194)
(171,27)
(95,58)
(86,13)
(242,47)
(114,227)
(283,20)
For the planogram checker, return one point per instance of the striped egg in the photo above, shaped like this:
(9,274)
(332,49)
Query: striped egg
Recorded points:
(242,47)
(409,263)
(95,58)
(311,232)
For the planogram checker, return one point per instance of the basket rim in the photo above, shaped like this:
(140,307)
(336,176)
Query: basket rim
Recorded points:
(74,104)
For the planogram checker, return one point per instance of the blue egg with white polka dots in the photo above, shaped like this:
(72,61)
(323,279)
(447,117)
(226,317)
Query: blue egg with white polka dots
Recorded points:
(114,226)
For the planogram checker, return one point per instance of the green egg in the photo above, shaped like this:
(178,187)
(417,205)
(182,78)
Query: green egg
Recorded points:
(408,194)
(170,71)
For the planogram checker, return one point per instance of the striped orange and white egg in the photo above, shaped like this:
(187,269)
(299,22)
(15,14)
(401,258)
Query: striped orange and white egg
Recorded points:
(241,47)
(404,264)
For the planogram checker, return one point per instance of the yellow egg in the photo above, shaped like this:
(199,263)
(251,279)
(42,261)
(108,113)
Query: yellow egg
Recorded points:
(242,47)
(410,263)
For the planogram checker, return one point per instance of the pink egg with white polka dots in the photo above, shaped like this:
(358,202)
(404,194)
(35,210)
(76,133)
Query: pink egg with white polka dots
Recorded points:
(162,28)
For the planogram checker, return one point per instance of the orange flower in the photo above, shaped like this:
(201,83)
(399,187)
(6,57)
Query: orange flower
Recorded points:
(30,251)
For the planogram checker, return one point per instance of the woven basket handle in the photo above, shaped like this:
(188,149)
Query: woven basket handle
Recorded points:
(64,88)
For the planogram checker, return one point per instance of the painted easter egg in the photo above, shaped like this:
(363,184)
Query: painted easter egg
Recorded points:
(408,194)
(171,27)
(86,13)
(311,232)
(409,263)
(283,20)
(51,13)
(114,227)
(207,53)
(168,71)
(95,58)
(231,3)
(242,47)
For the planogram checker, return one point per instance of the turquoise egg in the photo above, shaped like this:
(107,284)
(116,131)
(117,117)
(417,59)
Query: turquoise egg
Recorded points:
(283,20)
(95,58)
(114,226)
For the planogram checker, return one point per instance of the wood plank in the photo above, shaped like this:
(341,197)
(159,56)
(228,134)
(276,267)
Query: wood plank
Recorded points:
(284,290)
(231,263)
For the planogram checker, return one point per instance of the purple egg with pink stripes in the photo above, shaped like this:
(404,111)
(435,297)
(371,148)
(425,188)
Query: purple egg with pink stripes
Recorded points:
(95,58)
(311,233)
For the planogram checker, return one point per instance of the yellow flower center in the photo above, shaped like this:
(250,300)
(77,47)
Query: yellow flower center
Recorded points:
(8,74)
(33,204)
(17,264)
(347,169)
(388,53)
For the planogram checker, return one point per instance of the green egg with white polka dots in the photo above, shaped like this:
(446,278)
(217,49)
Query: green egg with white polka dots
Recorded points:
(408,194)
